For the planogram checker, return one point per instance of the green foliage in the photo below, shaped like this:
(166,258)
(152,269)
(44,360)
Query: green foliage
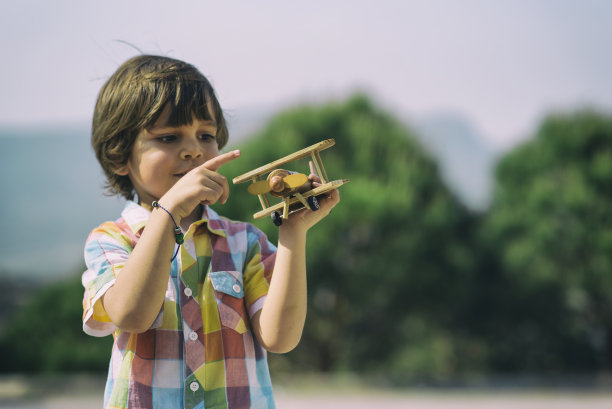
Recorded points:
(549,227)
(46,334)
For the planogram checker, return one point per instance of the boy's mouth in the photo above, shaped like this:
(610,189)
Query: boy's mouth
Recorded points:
(181,174)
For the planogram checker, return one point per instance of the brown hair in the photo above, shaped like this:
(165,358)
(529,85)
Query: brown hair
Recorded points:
(134,97)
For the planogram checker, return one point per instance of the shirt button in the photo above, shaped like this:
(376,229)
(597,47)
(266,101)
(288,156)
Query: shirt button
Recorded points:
(193,336)
(194,386)
(236,288)
(188,292)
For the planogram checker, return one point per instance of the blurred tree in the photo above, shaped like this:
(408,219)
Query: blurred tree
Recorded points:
(393,256)
(46,335)
(550,228)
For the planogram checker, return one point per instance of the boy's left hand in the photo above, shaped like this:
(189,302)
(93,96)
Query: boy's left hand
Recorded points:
(306,218)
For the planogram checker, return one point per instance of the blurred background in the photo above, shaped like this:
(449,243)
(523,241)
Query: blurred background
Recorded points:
(472,247)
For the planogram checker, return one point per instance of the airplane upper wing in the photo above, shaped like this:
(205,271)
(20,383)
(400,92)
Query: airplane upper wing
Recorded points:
(278,163)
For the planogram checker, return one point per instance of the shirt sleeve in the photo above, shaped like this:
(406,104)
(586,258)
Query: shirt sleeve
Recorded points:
(106,250)
(259,265)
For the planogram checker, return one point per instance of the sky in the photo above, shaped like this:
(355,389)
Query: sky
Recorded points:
(501,64)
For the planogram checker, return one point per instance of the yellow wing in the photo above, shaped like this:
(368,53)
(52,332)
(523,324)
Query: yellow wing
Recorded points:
(259,188)
(295,180)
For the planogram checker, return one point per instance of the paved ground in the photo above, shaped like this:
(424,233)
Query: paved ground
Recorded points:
(86,393)
(412,400)
(443,400)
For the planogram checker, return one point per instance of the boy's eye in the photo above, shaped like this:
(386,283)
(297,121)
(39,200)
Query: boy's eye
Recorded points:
(206,137)
(166,138)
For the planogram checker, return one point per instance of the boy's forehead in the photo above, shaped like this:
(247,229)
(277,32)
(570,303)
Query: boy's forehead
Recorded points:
(164,119)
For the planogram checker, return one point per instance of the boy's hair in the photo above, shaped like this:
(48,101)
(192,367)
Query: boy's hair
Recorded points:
(134,97)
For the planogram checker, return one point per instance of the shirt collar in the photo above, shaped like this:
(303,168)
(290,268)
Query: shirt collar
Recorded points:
(137,216)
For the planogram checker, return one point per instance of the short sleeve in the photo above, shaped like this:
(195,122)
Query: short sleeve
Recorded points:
(259,265)
(106,250)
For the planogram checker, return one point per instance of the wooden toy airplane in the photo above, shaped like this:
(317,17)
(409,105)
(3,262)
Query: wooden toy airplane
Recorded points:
(295,189)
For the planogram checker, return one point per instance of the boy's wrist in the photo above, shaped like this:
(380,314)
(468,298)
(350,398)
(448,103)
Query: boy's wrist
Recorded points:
(173,208)
(292,233)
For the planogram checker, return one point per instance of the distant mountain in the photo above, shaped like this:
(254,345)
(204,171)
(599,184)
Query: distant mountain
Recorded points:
(52,196)
(466,162)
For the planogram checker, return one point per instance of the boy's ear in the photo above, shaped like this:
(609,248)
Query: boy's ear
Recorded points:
(121,170)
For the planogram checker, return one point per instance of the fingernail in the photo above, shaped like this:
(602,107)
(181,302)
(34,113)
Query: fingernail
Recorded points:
(237,152)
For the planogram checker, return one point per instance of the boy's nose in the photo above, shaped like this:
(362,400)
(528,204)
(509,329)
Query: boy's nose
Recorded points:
(190,150)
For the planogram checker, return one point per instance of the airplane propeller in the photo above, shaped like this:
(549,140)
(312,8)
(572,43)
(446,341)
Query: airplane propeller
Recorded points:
(278,184)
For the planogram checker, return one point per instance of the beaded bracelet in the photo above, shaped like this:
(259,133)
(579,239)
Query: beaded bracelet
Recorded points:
(178,233)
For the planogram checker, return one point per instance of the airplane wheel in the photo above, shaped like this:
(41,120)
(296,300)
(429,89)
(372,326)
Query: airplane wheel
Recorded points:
(276,218)
(313,203)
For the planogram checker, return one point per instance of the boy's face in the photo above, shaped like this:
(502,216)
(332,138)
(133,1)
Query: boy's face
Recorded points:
(162,154)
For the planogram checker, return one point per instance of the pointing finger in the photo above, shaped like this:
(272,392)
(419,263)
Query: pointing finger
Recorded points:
(215,163)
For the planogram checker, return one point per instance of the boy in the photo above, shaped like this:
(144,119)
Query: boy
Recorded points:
(191,320)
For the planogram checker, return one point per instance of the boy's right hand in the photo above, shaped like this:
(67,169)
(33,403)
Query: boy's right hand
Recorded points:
(201,185)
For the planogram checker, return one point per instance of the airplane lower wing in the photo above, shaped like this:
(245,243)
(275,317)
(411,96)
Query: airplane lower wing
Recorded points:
(334,184)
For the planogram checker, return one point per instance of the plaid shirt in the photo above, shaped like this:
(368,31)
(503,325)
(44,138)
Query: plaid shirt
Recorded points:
(200,352)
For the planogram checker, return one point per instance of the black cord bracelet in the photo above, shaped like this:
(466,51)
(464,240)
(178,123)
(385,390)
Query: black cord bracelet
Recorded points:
(178,233)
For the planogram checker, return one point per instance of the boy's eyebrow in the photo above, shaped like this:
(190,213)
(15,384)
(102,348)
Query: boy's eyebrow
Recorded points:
(161,128)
